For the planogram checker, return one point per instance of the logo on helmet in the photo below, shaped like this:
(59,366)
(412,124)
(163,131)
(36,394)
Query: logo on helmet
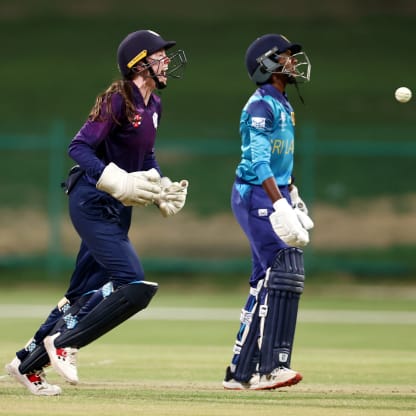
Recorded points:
(137,58)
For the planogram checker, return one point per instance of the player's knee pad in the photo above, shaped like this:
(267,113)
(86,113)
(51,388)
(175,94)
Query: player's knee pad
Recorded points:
(114,309)
(285,283)
(246,351)
(37,357)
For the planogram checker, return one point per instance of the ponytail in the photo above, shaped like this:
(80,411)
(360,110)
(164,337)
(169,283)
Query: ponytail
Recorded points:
(103,102)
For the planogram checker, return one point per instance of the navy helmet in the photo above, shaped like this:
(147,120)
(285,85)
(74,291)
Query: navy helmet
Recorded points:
(137,46)
(262,58)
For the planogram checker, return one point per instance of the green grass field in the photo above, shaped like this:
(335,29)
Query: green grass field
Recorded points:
(355,347)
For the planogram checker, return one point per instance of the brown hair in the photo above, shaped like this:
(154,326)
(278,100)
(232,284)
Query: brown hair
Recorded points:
(124,88)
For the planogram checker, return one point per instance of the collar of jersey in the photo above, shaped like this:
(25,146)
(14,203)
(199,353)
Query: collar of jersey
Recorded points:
(268,89)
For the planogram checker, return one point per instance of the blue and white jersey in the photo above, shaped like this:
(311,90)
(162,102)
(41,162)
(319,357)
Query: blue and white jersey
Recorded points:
(267,134)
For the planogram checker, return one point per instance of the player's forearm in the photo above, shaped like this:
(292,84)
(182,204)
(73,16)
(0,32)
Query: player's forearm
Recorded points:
(272,190)
(86,158)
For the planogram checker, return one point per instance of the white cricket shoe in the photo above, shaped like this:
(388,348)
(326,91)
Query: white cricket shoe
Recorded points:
(279,377)
(233,384)
(35,382)
(230,383)
(63,360)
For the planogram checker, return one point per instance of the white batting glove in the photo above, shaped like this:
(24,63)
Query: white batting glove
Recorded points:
(287,226)
(173,196)
(301,209)
(140,188)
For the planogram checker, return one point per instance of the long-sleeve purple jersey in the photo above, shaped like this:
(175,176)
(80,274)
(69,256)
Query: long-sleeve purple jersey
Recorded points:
(130,145)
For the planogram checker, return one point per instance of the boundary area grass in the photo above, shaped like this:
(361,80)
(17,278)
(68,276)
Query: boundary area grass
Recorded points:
(173,365)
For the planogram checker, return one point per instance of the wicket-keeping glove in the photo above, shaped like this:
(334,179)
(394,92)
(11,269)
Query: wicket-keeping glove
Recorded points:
(139,188)
(286,224)
(173,196)
(301,209)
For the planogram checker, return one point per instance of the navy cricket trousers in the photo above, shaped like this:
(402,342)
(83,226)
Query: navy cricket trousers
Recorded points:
(103,223)
(105,255)
(252,207)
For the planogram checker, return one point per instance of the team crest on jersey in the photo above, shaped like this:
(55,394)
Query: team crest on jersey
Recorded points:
(155,118)
(292,116)
(137,120)
(258,122)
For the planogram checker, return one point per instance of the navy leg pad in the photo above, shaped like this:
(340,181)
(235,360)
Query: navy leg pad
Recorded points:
(249,354)
(246,349)
(38,358)
(284,285)
(109,313)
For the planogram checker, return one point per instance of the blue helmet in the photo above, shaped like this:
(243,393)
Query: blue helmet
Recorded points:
(137,46)
(262,58)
